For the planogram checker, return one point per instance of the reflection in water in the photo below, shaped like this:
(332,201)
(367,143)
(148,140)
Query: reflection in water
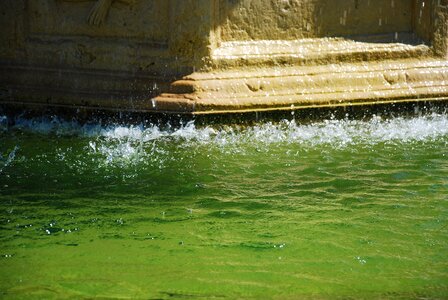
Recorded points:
(336,208)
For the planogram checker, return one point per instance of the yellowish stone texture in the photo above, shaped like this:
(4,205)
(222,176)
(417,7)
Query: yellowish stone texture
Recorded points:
(219,56)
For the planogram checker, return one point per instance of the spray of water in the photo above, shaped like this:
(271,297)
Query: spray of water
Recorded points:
(6,161)
(139,144)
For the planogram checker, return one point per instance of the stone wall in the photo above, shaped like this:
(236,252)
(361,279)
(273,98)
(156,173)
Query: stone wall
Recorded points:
(430,22)
(164,37)
(440,36)
(156,36)
(85,49)
(295,19)
(101,52)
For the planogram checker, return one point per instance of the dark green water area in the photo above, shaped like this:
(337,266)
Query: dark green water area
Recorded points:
(329,209)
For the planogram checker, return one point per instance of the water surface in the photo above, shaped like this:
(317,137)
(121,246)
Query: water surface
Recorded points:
(337,208)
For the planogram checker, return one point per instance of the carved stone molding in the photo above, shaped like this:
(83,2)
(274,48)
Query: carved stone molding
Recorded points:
(145,21)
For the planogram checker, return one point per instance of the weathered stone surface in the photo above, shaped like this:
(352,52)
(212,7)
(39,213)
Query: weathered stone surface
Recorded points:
(214,56)
(440,37)
(290,19)
(313,51)
(290,88)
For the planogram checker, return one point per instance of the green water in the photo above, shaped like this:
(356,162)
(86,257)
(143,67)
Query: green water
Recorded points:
(333,209)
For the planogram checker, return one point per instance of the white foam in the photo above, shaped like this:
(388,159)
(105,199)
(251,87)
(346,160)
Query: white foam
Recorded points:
(6,161)
(123,145)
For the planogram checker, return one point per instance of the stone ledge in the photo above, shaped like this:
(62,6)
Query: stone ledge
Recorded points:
(291,88)
(260,89)
(312,52)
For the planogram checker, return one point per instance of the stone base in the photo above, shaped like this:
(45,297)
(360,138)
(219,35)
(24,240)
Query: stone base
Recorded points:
(290,75)
(249,76)
(290,88)
(221,56)
(79,88)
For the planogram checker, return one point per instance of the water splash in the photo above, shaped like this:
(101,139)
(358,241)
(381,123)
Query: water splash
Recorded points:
(5,162)
(333,132)
(123,145)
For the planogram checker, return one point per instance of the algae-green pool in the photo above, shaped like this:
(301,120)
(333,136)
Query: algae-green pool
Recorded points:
(331,209)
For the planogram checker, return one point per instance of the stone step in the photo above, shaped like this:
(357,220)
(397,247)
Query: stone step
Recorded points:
(323,82)
(311,52)
(426,63)
(289,88)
